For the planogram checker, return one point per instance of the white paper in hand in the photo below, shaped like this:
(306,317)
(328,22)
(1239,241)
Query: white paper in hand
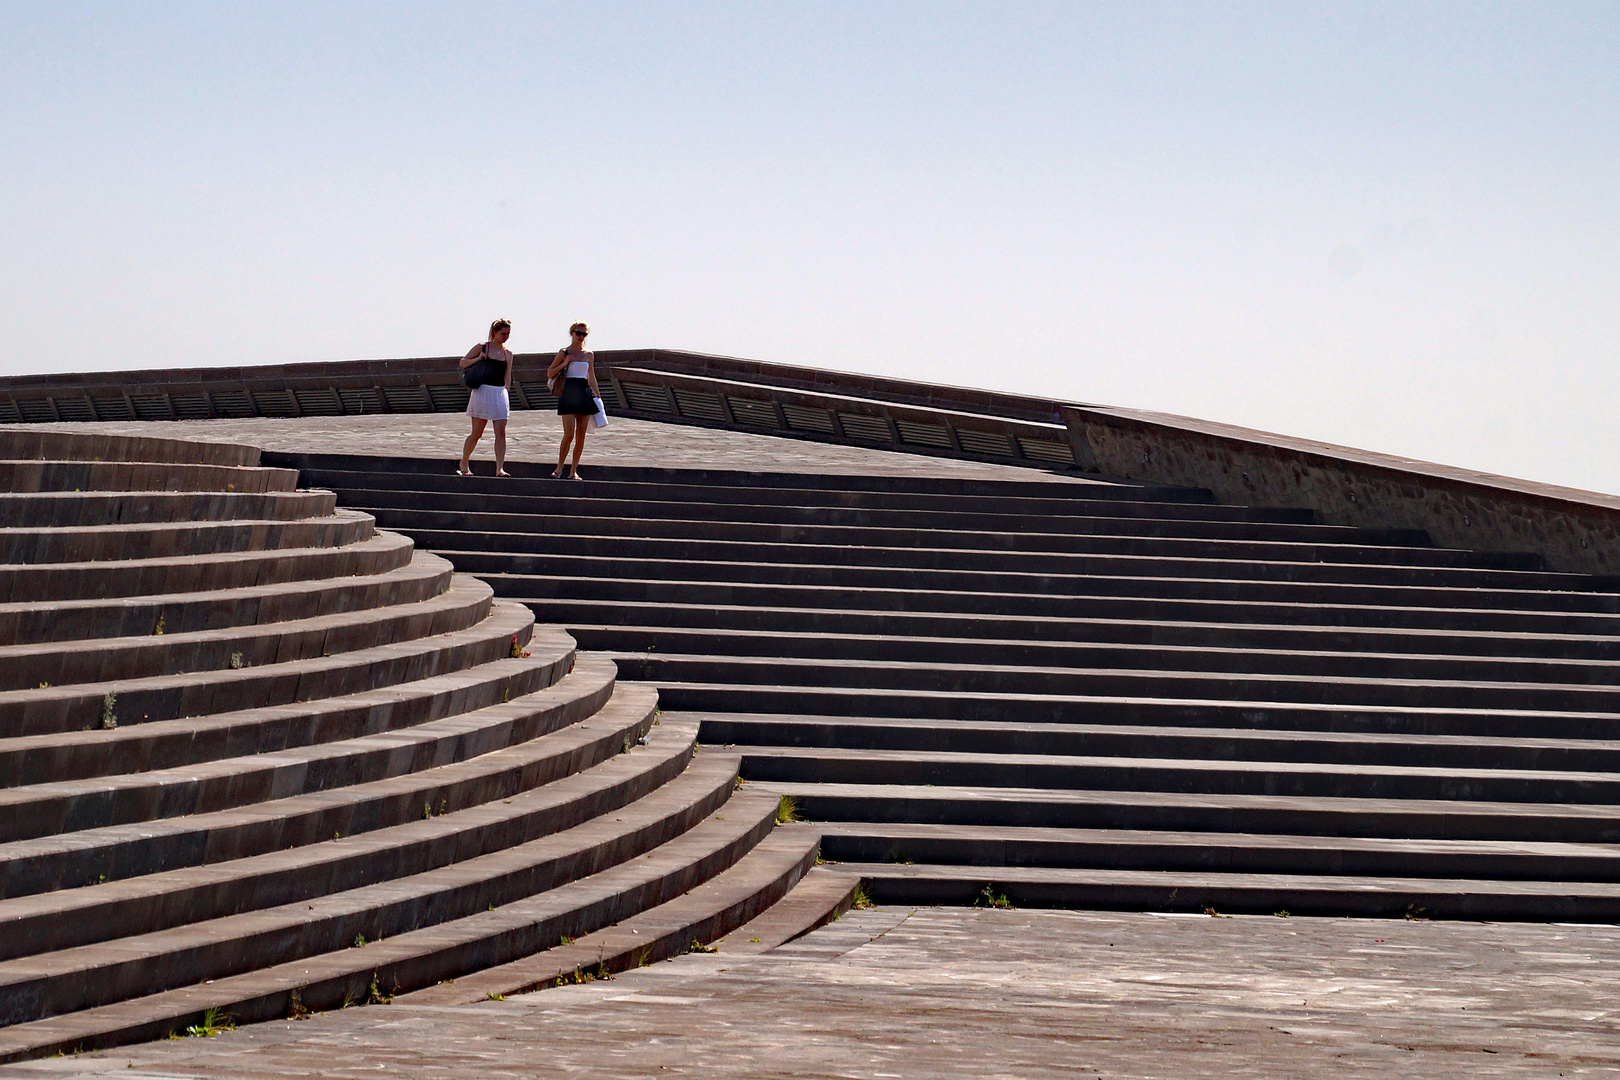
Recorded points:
(601,413)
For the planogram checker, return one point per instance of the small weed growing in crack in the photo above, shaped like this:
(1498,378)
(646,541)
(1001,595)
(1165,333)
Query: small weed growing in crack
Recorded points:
(236,662)
(214,1022)
(157,627)
(360,941)
(296,1009)
(787,810)
(989,898)
(108,720)
(861,900)
(698,946)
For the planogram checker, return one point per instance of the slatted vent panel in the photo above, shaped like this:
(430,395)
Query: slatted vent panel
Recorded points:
(698,405)
(750,413)
(647,399)
(924,434)
(407,399)
(805,418)
(191,406)
(865,428)
(113,408)
(361,399)
(536,396)
(227,403)
(74,408)
(1046,450)
(449,398)
(319,401)
(151,406)
(611,395)
(9,413)
(36,410)
(275,403)
(987,443)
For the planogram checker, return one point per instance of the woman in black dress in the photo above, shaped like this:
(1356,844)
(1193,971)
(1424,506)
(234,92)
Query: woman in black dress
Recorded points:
(577,402)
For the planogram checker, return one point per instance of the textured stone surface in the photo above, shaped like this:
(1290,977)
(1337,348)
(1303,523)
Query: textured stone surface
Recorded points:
(966,993)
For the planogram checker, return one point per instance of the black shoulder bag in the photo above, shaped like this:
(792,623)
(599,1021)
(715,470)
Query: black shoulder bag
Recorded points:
(478,372)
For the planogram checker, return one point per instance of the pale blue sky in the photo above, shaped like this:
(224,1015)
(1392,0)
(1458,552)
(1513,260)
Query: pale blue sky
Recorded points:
(1390,225)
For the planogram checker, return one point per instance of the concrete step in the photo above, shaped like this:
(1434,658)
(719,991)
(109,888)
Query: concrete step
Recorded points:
(17,443)
(23,546)
(429,650)
(1123,520)
(1136,890)
(1136,557)
(574,774)
(50,984)
(1299,779)
(58,509)
(35,475)
(45,809)
(422,578)
(746,892)
(820,897)
(1092,598)
(116,853)
(163,744)
(1076,487)
(612,615)
(992,847)
(422,957)
(992,499)
(1138,740)
(156,649)
(1016,652)
(810,699)
(952,679)
(1204,812)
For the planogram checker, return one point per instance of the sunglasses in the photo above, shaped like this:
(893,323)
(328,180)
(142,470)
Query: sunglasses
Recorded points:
(580,333)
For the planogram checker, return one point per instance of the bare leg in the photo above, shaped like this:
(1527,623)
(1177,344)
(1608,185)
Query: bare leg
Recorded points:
(467,447)
(500,448)
(567,440)
(581,423)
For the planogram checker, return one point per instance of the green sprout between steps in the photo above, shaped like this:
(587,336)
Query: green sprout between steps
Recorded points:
(787,810)
(989,898)
(215,1021)
(108,720)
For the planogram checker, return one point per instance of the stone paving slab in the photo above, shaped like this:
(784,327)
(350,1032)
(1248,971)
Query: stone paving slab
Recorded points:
(534,436)
(949,992)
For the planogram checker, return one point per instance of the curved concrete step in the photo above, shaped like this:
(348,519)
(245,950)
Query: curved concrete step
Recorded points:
(604,778)
(83,978)
(422,578)
(45,809)
(423,957)
(33,545)
(35,442)
(57,509)
(37,475)
(164,744)
(746,891)
(158,650)
(429,651)
(1137,890)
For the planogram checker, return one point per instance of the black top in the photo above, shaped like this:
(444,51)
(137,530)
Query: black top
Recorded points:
(497,369)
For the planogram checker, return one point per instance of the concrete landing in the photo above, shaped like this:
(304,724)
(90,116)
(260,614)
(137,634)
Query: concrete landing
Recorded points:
(943,992)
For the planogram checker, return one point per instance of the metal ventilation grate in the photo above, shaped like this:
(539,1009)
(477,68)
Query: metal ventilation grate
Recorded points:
(36,410)
(1046,450)
(275,403)
(924,434)
(191,406)
(361,399)
(647,399)
(987,443)
(750,413)
(447,398)
(699,405)
(866,428)
(319,401)
(407,399)
(227,403)
(805,418)
(75,409)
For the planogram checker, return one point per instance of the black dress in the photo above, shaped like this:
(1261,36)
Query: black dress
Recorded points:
(576,398)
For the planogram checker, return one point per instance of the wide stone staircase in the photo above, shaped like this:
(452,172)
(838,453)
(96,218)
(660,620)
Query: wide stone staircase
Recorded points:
(258,758)
(1054,691)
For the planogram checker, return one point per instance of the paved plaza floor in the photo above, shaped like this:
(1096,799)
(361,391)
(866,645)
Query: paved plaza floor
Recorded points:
(945,992)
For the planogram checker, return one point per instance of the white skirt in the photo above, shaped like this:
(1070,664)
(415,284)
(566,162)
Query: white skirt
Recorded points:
(489,403)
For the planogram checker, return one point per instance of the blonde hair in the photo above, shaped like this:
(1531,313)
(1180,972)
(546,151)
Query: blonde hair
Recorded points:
(578,326)
(498,324)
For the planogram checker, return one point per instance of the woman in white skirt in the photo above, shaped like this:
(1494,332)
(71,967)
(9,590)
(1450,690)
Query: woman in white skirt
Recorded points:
(491,402)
